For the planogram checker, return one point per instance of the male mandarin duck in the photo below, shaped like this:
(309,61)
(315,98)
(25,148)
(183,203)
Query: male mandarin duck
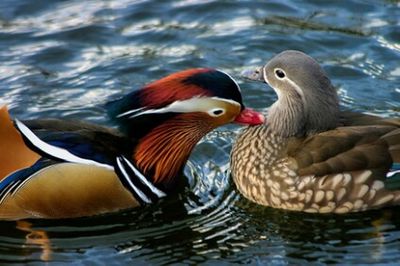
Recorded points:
(64,169)
(309,156)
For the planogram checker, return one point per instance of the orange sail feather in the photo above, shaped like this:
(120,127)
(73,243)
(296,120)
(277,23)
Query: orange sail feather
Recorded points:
(14,154)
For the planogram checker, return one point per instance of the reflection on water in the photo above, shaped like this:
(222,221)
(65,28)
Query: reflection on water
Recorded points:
(66,58)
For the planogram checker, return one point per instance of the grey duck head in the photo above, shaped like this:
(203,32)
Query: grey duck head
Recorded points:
(307,102)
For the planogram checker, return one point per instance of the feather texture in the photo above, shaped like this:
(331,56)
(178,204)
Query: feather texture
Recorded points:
(310,156)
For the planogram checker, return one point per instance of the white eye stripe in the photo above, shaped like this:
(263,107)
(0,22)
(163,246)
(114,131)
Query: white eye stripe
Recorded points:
(226,100)
(296,87)
(285,78)
(195,104)
(130,112)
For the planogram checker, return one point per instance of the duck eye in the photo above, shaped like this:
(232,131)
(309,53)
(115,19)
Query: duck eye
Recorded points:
(217,112)
(279,73)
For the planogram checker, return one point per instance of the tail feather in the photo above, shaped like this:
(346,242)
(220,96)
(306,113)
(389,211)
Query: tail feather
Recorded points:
(14,154)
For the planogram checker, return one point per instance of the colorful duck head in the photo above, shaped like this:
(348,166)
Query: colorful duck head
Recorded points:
(166,118)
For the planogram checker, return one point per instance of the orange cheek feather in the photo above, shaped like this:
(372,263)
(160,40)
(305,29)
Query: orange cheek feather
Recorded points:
(164,151)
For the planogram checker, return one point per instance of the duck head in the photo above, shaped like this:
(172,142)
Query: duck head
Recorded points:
(307,102)
(166,118)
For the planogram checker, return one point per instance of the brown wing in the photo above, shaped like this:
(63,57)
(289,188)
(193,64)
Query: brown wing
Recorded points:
(346,149)
(344,170)
(348,118)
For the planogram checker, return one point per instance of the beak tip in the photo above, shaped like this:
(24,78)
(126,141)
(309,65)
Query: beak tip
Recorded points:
(253,74)
(250,117)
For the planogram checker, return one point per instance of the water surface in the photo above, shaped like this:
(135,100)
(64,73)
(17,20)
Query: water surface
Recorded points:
(66,58)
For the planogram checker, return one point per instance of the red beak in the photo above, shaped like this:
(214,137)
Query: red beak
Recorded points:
(249,117)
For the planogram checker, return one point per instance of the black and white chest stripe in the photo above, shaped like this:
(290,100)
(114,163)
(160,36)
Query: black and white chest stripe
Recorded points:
(139,185)
(132,179)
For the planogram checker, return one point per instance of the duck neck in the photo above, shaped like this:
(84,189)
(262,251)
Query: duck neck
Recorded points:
(286,117)
(162,152)
(296,115)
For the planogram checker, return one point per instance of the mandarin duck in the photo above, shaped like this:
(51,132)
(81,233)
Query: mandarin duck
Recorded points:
(64,169)
(311,156)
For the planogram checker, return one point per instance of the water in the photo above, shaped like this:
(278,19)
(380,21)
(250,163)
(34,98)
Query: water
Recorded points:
(66,58)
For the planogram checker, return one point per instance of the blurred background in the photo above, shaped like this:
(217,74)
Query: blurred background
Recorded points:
(65,59)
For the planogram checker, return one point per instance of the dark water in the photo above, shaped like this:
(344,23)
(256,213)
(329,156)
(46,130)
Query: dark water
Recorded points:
(65,58)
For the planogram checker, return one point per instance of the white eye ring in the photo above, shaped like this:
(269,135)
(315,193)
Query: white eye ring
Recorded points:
(279,73)
(216,112)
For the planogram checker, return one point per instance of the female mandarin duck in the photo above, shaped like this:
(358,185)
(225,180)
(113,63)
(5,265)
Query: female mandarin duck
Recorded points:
(311,157)
(60,169)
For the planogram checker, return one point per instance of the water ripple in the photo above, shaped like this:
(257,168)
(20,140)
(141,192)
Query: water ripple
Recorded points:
(65,59)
